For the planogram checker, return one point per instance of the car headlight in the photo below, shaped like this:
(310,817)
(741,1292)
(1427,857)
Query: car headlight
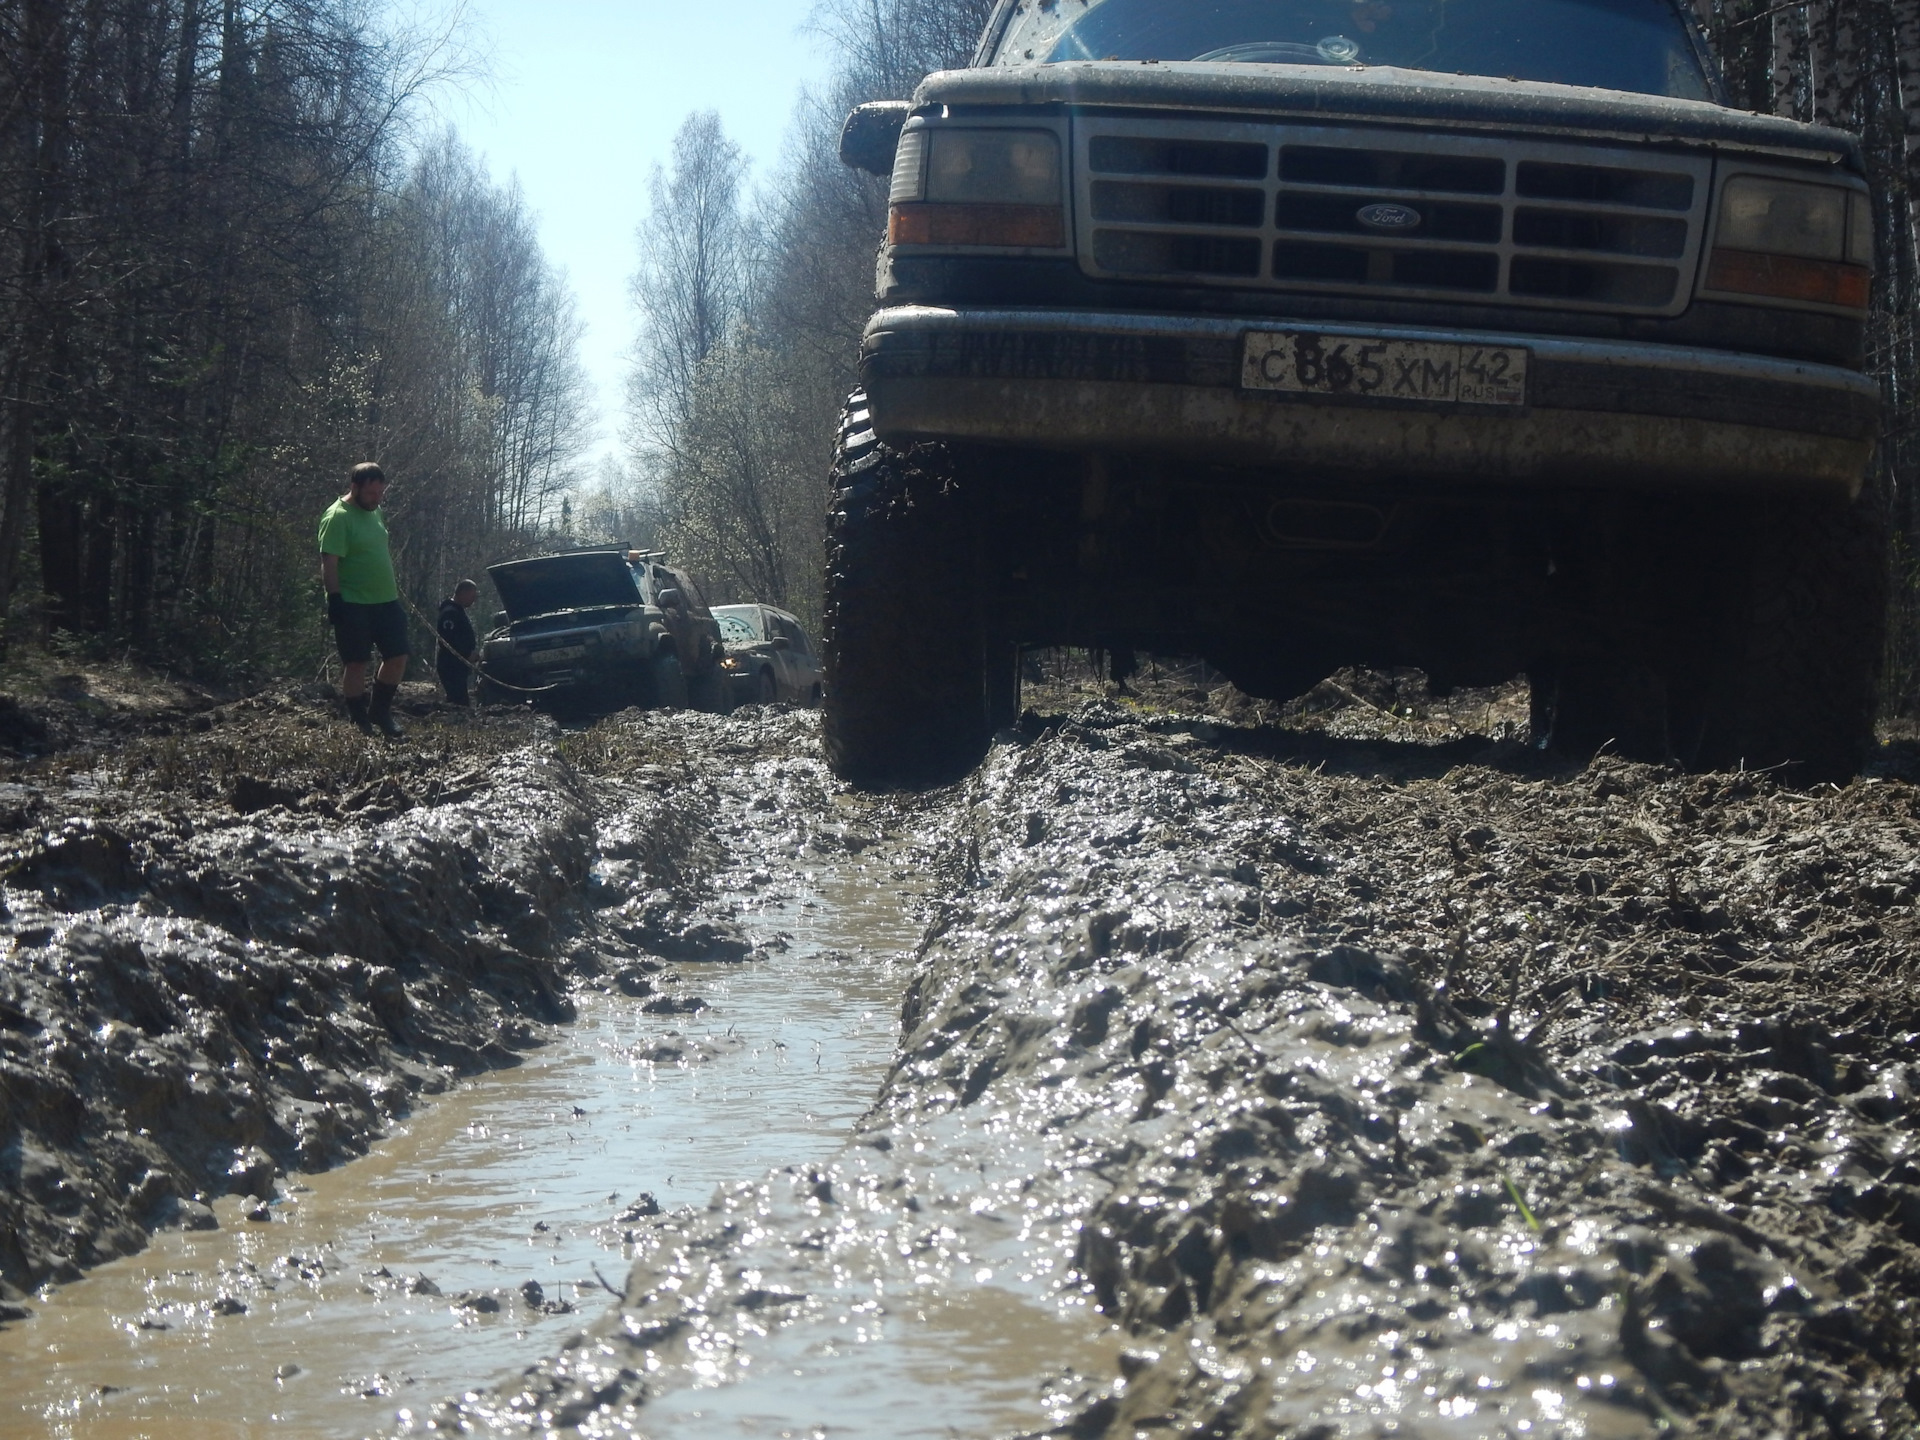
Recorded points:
(1787,240)
(1000,188)
(730,663)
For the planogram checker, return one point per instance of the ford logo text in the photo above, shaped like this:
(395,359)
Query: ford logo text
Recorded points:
(1389,217)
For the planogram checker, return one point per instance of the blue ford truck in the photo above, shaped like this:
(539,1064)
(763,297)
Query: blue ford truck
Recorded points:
(1473,335)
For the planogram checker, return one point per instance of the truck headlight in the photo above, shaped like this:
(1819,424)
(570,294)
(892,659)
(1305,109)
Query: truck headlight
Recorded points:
(1000,188)
(1787,240)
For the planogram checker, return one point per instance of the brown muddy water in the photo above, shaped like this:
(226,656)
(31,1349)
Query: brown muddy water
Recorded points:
(476,1236)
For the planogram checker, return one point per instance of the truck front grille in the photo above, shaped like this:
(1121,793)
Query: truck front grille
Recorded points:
(1442,216)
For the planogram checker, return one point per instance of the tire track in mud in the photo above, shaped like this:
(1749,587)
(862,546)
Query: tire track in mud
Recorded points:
(212,978)
(717,1052)
(1392,1094)
(975,1358)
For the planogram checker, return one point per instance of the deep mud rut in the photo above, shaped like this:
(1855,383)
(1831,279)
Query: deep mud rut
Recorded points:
(479,1230)
(1347,1076)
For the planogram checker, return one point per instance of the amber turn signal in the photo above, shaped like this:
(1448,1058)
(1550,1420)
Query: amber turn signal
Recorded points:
(1034,227)
(1790,277)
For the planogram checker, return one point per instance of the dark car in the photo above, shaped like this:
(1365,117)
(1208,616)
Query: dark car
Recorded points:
(604,627)
(1480,336)
(768,656)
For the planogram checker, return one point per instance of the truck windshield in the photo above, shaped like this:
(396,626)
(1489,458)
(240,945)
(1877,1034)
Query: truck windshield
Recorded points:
(1637,45)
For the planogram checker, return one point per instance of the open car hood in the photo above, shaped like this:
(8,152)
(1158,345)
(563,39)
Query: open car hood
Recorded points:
(584,580)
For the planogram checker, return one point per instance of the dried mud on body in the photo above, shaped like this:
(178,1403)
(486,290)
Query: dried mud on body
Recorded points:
(1351,1086)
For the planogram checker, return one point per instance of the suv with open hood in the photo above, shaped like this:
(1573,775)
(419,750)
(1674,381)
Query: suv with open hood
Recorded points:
(1472,335)
(608,626)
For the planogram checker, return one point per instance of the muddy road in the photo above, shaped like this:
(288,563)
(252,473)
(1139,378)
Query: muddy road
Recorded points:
(1349,1072)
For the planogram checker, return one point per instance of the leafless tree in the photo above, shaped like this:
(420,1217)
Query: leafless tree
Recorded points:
(735,421)
(479,396)
(690,289)
(222,280)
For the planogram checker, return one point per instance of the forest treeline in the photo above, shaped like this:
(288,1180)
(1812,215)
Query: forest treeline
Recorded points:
(230,267)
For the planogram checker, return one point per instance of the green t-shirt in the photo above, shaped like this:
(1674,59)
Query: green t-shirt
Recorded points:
(359,538)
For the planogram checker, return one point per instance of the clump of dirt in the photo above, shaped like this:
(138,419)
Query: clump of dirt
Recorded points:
(1395,705)
(1363,1066)
(239,940)
(689,806)
(1622,1081)
(1687,1006)
(1365,1084)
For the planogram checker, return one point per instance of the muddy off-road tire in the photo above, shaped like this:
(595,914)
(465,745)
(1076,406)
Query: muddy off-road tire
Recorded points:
(905,671)
(667,685)
(1801,686)
(708,693)
(1758,646)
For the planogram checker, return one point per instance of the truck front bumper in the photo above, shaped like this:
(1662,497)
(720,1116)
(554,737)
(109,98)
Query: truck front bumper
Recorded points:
(1596,412)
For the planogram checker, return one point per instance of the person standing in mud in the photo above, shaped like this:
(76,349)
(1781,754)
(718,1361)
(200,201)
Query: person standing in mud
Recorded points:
(459,649)
(363,599)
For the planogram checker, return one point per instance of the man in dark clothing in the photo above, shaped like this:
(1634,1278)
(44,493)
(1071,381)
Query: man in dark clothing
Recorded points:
(459,650)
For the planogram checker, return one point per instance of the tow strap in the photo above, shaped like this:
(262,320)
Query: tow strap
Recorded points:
(473,665)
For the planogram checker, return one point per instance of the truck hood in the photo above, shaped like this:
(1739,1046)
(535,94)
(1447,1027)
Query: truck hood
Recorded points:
(584,580)
(1391,96)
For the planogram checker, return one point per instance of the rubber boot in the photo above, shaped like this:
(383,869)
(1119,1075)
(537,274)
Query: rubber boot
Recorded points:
(382,711)
(357,706)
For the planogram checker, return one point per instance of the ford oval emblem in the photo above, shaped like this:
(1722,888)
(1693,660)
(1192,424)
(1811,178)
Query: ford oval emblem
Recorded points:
(1389,217)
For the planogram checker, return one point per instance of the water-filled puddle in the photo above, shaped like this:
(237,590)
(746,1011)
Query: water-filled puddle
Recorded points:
(972,1363)
(513,1180)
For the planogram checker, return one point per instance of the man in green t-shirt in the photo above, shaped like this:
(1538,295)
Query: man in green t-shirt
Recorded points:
(363,602)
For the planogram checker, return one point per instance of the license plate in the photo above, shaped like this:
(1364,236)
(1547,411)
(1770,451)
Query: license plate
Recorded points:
(559,654)
(1305,362)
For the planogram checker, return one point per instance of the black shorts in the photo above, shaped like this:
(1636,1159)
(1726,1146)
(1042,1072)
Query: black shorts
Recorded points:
(362,629)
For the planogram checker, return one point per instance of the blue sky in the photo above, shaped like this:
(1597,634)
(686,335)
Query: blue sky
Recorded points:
(584,98)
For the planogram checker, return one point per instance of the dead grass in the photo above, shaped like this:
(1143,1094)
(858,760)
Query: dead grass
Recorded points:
(294,746)
(31,673)
(1352,704)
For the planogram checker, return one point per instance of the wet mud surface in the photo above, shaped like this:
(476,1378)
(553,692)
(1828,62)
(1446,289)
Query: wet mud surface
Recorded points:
(237,953)
(484,1226)
(1341,1083)
(1351,1072)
